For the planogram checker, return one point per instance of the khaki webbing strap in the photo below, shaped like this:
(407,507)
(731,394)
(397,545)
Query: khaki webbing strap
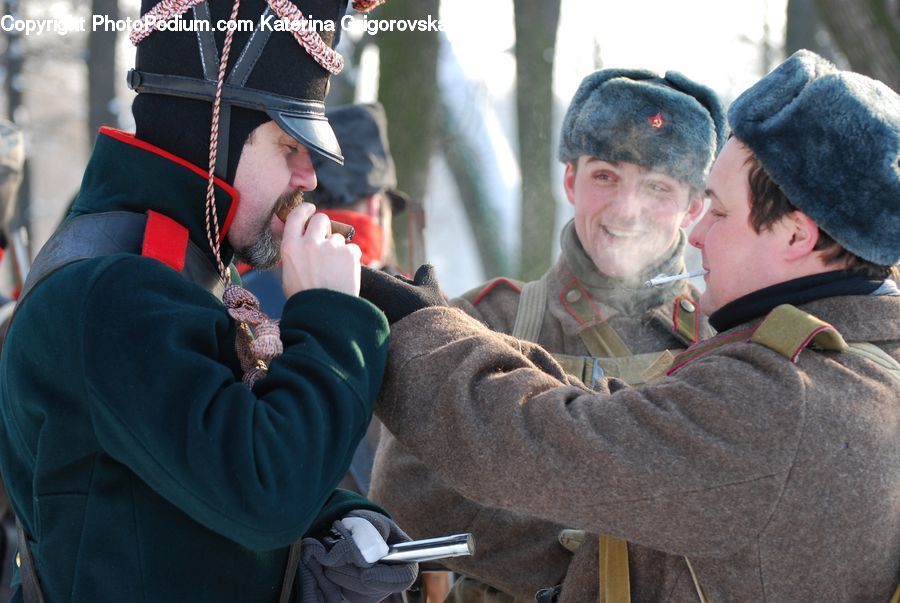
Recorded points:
(615,584)
(532,306)
(701,594)
(602,340)
(587,369)
(31,586)
(896,597)
(788,330)
(290,573)
(877,355)
(685,319)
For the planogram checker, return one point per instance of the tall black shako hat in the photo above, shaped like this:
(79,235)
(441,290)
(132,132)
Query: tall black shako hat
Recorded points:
(668,123)
(830,139)
(271,74)
(368,166)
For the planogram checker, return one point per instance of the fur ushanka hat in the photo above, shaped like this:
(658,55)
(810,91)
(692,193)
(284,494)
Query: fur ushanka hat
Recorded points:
(670,124)
(830,139)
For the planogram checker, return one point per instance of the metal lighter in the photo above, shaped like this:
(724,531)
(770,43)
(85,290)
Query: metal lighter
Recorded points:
(430,549)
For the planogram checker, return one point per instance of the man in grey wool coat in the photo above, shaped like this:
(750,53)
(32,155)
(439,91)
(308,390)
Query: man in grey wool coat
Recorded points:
(768,456)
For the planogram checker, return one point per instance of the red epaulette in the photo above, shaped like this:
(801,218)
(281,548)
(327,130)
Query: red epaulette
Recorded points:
(165,240)
(478,293)
(702,349)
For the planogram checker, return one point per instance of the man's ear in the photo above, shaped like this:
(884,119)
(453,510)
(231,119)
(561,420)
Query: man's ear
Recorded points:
(569,181)
(800,234)
(694,211)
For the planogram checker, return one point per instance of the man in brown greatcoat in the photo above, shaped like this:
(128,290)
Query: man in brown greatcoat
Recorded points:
(637,148)
(768,457)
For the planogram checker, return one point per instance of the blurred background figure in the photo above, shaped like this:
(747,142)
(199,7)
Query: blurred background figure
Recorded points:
(12,161)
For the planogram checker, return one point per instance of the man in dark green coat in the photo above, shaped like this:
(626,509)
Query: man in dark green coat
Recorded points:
(153,448)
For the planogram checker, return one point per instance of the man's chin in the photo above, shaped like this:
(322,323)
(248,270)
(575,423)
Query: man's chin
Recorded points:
(256,260)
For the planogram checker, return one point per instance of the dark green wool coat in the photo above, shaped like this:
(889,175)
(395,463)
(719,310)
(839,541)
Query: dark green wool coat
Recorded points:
(141,466)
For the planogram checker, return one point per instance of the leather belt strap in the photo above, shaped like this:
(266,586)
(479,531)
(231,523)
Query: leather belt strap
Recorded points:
(31,587)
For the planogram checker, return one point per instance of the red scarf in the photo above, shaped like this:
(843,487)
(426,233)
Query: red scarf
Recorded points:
(368,233)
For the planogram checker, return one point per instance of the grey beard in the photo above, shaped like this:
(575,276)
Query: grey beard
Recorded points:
(265,251)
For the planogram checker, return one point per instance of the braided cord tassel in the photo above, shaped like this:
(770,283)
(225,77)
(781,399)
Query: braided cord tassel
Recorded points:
(253,351)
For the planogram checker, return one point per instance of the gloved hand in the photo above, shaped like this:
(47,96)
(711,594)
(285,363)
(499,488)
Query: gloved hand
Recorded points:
(398,296)
(336,570)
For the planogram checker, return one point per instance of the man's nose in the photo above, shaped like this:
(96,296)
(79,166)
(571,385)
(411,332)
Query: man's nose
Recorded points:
(303,174)
(629,204)
(698,232)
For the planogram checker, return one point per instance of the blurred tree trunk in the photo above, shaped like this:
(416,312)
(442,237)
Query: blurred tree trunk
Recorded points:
(469,177)
(868,33)
(805,29)
(536,23)
(101,68)
(343,87)
(407,87)
(14,62)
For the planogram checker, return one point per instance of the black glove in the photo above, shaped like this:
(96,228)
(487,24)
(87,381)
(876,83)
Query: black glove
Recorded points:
(334,570)
(397,296)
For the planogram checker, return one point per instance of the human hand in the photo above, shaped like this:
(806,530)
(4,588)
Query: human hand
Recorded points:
(338,568)
(315,258)
(398,296)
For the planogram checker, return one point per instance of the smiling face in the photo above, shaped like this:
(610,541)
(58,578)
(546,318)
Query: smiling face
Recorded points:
(273,169)
(626,216)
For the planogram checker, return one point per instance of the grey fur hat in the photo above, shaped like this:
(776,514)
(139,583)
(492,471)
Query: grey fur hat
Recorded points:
(669,124)
(830,140)
(368,166)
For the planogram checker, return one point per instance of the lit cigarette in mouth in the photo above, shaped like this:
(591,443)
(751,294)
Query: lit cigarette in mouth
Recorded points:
(662,279)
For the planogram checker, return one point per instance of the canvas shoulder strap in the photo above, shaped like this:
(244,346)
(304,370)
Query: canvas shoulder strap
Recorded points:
(532,307)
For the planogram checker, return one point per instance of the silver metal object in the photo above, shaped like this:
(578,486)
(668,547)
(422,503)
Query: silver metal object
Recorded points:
(662,279)
(429,549)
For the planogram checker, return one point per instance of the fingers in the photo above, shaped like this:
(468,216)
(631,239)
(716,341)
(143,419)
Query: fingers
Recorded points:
(319,227)
(296,220)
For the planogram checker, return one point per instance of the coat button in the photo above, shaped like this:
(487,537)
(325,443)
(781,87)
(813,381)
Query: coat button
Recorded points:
(573,295)
(18,560)
(687,306)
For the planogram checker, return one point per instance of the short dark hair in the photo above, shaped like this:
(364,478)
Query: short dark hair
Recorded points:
(769,204)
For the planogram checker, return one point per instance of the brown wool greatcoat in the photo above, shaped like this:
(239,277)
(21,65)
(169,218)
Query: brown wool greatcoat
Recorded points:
(779,480)
(516,553)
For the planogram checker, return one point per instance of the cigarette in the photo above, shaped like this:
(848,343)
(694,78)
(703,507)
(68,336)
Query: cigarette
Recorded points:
(336,227)
(431,548)
(662,279)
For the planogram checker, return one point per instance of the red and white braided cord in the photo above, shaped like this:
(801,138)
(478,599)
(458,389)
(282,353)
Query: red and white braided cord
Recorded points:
(304,33)
(165,10)
(212,218)
(306,36)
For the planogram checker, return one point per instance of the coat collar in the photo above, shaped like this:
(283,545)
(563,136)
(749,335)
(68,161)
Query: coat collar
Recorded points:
(128,174)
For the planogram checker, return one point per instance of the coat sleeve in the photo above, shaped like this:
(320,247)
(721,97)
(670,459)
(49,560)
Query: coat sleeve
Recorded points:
(256,466)
(514,553)
(692,465)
